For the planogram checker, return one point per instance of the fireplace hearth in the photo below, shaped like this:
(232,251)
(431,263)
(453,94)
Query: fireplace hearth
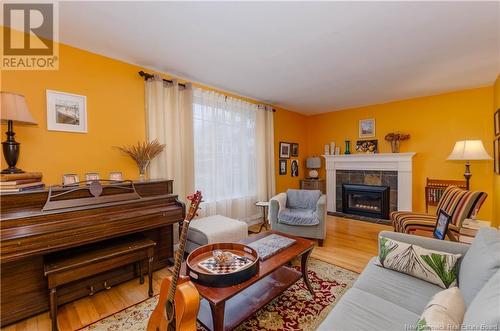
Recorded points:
(366,200)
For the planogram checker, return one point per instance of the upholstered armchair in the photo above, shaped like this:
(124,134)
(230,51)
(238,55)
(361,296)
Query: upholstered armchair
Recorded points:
(456,202)
(299,212)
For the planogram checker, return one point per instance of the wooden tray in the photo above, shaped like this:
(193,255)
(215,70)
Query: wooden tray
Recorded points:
(204,277)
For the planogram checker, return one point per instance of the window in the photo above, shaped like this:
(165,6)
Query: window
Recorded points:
(225,152)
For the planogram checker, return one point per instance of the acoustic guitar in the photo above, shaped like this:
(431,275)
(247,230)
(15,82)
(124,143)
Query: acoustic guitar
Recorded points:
(179,300)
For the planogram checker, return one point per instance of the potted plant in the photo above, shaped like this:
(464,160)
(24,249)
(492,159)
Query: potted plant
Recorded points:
(395,138)
(142,154)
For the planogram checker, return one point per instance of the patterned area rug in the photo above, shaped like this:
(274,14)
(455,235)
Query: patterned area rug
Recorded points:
(295,309)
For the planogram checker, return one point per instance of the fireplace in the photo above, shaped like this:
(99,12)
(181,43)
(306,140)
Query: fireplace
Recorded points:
(366,200)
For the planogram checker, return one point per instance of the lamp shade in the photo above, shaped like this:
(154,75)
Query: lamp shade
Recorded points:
(14,108)
(469,150)
(313,162)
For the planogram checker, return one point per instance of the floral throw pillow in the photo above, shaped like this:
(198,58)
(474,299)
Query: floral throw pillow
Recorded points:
(435,267)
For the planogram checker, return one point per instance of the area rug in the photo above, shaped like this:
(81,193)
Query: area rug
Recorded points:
(295,309)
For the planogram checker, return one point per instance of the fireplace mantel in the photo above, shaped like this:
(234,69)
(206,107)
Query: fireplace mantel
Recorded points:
(400,162)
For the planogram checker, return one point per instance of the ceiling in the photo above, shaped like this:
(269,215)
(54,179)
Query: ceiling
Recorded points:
(308,57)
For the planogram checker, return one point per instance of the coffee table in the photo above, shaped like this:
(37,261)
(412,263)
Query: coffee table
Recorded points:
(224,308)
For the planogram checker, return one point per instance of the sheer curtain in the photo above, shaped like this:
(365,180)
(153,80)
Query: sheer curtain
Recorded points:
(230,155)
(169,118)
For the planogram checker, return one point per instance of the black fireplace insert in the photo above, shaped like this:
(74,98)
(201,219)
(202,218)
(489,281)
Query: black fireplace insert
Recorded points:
(366,200)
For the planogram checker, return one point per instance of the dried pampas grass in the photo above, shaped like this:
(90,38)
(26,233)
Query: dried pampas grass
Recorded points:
(143,152)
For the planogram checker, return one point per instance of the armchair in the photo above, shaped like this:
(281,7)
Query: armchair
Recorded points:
(299,212)
(456,202)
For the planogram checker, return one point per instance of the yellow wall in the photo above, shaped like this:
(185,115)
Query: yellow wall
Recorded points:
(290,127)
(434,123)
(115,110)
(496,177)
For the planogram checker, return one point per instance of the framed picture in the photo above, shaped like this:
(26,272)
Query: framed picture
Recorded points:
(117,175)
(295,150)
(294,168)
(284,150)
(70,180)
(367,128)
(367,146)
(66,112)
(283,166)
(496,122)
(441,225)
(91,176)
(337,150)
(496,155)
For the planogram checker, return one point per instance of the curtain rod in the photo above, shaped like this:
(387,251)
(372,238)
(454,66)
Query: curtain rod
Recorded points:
(148,76)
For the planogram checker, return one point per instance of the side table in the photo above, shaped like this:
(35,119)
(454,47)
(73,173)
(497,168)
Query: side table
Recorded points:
(264,205)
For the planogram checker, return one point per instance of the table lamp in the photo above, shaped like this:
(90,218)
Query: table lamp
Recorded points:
(469,150)
(13,109)
(313,163)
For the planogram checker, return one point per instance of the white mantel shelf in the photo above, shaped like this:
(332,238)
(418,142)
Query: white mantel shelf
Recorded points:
(400,162)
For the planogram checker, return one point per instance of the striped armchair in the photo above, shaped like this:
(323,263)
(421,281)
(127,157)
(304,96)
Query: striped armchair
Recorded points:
(456,202)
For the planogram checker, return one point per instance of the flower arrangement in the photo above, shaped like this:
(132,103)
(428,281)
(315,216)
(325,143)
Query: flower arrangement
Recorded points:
(143,153)
(395,138)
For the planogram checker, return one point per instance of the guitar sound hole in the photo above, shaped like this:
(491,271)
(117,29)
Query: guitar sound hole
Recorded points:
(170,311)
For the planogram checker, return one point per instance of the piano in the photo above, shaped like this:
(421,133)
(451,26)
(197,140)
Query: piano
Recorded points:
(32,226)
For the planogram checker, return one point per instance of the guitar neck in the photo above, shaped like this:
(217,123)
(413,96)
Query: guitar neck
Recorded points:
(179,254)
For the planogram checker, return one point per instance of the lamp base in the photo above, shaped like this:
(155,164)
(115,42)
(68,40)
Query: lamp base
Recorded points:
(12,170)
(11,151)
(313,174)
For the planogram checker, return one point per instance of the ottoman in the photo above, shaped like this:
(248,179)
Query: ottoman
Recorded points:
(214,229)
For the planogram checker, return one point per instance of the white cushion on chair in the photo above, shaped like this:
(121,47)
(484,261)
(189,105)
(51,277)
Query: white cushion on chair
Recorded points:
(217,228)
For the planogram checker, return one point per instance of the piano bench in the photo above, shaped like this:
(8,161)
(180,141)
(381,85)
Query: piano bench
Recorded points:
(77,263)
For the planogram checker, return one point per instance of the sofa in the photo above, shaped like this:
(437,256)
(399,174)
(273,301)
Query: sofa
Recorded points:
(299,212)
(383,299)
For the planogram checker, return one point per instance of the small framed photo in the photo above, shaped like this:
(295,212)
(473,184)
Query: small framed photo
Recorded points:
(116,176)
(367,128)
(283,166)
(70,180)
(441,227)
(496,122)
(337,150)
(284,150)
(295,150)
(496,155)
(91,176)
(66,112)
(294,168)
(367,146)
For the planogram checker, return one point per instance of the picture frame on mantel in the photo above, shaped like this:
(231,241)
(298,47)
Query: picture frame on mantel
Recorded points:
(66,112)
(367,128)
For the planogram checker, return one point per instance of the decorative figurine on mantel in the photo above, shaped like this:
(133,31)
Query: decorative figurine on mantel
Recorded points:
(142,154)
(395,138)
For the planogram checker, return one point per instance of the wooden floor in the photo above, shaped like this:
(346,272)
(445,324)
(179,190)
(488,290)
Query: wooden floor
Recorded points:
(349,244)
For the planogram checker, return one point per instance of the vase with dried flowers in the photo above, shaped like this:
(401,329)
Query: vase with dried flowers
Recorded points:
(395,138)
(142,154)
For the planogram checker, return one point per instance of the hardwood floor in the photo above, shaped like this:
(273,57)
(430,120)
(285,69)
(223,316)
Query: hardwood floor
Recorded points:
(349,244)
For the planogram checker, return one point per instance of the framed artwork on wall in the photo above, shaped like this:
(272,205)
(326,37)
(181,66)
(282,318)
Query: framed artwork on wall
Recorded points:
(496,155)
(295,149)
(294,168)
(367,128)
(284,150)
(496,123)
(66,112)
(282,167)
